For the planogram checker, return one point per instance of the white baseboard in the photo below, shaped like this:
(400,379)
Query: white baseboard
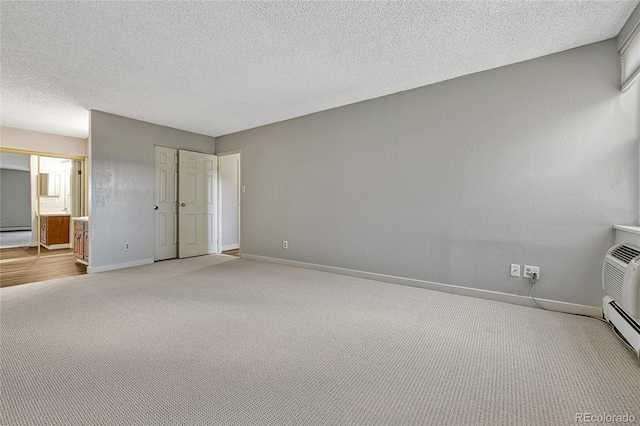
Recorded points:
(229,247)
(114,266)
(553,305)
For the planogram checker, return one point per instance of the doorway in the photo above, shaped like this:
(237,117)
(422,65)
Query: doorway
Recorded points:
(186,203)
(40,195)
(34,186)
(230,202)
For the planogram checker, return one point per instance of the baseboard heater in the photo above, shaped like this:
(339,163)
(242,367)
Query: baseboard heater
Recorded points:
(623,324)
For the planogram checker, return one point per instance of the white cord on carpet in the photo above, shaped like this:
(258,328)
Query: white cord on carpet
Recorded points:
(615,331)
(570,313)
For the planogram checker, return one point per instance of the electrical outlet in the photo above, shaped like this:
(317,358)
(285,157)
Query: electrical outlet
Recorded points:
(127,246)
(243,188)
(515,270)
(530,270)
(285,244)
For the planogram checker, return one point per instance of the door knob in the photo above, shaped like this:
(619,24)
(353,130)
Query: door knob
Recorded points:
(183,205)
(155,207)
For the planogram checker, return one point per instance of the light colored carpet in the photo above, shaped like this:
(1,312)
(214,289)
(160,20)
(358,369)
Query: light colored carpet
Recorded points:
(251,343)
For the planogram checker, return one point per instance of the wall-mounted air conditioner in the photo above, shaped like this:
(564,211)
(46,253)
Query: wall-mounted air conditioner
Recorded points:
(621,282)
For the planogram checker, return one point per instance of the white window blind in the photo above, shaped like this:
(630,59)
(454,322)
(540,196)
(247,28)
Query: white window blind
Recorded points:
(630,55)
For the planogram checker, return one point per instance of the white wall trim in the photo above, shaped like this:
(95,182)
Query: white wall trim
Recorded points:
(628,29)
(114,266)
(230,247)
(554,305)
(232,152)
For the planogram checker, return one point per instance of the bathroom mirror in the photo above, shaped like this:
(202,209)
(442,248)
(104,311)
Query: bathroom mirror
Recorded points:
(50,184)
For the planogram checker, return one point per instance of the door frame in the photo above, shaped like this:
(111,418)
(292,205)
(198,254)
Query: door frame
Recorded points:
(85,180)
(239,189)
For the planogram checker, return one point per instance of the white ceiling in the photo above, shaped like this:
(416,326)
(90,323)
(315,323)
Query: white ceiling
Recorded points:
(219,67)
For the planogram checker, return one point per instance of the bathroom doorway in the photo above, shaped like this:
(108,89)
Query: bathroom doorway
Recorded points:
(40,195)
(230,202)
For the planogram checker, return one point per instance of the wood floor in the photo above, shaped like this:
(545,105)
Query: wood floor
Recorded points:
(234,252)
(22,252)
(21,265)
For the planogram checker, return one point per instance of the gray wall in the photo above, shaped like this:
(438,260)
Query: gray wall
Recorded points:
(121,156)
(15,199)
(530,163)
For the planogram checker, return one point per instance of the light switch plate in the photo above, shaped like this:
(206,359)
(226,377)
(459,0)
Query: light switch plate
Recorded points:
(515,270)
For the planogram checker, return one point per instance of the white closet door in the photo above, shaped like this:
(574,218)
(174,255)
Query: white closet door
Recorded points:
(166,203)
(197,189)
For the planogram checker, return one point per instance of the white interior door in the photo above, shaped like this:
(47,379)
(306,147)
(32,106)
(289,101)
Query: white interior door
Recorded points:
(197,189)
(166,203)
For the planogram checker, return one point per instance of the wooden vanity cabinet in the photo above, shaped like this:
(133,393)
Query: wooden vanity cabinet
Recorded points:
(54,230)
(81,240)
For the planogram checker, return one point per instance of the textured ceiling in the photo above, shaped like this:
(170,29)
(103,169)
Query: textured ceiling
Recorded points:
(220,67)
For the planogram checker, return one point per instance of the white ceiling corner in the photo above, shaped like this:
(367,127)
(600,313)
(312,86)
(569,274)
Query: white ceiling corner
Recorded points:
(219,67)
